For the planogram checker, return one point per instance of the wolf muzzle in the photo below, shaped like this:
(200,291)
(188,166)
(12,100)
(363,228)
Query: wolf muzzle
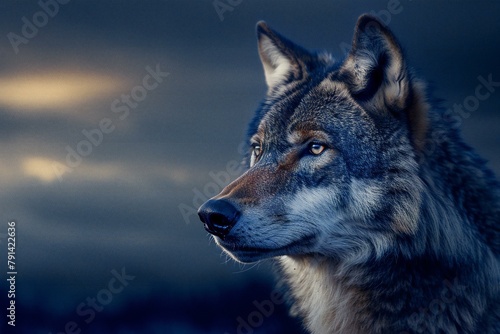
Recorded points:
(218,216)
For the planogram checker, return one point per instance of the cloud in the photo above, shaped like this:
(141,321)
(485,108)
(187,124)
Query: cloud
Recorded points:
(48,170)
(41,168)
(56,91)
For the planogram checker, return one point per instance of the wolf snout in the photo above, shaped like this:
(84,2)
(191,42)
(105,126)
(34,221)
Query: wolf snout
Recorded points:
(218,216)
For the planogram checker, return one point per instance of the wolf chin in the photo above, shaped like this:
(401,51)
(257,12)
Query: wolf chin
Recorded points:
(381,218)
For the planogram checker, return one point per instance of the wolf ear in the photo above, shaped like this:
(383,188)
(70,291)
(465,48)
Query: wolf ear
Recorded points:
(375,66)
(378,77)
(281,58)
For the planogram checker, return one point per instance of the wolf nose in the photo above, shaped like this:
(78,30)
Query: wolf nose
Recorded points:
(219,216)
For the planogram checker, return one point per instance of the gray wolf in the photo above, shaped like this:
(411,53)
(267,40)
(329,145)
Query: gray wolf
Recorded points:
(374,231)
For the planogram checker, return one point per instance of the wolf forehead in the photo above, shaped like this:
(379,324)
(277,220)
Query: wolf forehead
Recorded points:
(318,107)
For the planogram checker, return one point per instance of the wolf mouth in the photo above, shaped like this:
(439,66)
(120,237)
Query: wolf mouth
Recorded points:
(233,247)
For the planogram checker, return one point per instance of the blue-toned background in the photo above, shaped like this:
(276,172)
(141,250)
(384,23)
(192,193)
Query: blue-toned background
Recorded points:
(107,239)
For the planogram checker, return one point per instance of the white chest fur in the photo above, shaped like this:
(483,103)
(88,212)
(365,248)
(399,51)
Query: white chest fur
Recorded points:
(327,304)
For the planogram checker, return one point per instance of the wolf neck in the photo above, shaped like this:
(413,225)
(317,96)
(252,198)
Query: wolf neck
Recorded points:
(390,294)
(326,304)
(458,188)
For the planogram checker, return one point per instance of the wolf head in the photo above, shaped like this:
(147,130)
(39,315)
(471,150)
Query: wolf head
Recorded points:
(332,154)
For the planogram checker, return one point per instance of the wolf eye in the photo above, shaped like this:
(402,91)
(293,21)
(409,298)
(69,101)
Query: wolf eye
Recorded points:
(256,152)
(316,149)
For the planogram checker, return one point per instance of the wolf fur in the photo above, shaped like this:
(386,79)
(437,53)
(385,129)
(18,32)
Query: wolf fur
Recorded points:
(378,226)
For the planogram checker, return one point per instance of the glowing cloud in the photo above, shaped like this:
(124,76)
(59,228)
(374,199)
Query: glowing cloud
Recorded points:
(41,168)
(56,90)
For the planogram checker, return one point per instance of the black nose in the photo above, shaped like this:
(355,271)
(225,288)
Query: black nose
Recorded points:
(219,216)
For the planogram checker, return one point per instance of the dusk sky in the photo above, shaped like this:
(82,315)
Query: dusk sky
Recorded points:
(118,118)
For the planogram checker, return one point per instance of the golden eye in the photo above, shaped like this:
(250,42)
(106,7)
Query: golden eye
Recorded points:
(316,149)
